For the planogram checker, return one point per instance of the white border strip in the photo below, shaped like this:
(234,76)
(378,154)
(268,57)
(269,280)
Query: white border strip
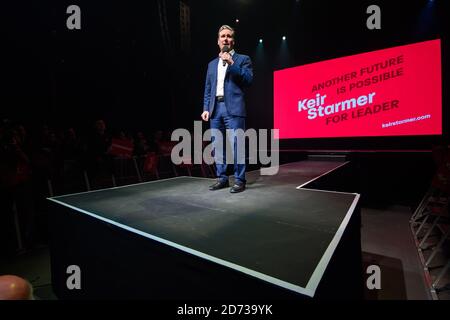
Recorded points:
(256,274)
(330,191)
(304,184)
(317,275)
(112,188)
(323,263)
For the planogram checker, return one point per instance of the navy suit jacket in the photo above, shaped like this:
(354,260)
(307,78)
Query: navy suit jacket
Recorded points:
(238,76)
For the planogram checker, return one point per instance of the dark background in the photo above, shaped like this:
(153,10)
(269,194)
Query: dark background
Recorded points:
(126,65)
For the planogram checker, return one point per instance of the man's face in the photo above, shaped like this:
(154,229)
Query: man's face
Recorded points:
(226,38)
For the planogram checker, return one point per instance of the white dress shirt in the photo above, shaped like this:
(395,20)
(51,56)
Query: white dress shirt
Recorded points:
(221,71)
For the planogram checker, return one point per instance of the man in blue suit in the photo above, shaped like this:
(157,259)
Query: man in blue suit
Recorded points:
(224,105)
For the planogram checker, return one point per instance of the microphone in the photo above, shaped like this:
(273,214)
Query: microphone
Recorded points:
(225,49)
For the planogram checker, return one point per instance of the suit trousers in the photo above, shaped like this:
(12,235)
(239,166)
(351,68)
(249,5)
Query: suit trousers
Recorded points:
(224,128)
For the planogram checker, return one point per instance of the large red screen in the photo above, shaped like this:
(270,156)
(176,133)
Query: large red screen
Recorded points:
(389,92)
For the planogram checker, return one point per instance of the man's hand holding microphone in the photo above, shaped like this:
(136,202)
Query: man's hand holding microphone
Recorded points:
(226,56)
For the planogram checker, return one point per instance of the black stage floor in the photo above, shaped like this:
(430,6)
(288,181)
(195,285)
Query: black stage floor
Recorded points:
(274,231)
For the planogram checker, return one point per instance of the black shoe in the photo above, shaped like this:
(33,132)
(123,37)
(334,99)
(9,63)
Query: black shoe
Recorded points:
(219,185)
(238,187)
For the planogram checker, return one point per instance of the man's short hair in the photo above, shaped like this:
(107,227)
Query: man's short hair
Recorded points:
(225,26)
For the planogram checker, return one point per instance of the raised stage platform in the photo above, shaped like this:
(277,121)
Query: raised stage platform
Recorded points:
(175,239)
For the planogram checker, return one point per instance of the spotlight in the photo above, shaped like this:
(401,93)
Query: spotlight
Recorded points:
(284,38)
(260,40)
(237,20)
